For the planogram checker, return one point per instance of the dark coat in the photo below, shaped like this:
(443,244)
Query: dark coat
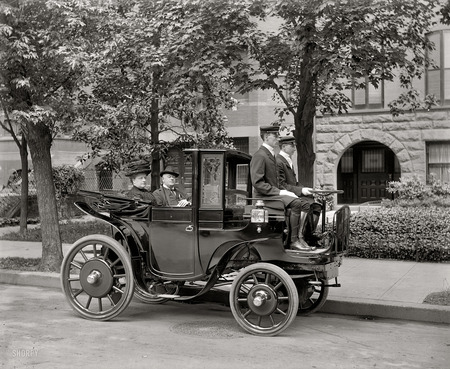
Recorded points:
(165,197)
(287,177)
(264,176)
(141,194)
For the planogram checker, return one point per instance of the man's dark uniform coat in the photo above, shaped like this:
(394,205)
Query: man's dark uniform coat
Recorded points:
(264,176)
(287,177)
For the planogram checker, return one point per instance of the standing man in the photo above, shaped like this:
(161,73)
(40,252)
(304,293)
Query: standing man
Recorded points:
(288,181)
(264,176)
(169,194)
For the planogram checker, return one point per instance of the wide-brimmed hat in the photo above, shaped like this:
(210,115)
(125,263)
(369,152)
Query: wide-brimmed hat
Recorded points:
(169,170)
(137,167)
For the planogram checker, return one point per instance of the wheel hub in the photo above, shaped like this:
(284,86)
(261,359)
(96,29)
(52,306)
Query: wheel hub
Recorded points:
(96,278)
(262,300)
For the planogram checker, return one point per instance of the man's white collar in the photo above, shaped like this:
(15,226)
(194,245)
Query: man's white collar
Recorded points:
(270,148)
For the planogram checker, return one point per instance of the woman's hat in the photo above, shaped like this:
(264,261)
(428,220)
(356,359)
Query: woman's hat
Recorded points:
(137,167)
(169,170)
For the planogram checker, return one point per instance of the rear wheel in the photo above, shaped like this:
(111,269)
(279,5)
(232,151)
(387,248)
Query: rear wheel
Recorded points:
(263,299)
(311,296)
(97,277)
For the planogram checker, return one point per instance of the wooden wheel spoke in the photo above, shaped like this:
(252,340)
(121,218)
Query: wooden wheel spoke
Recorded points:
(88,302)
(117,289)
(78,292)
(105,256)
(277,287)
(76,265)
(272,321)
(84,255)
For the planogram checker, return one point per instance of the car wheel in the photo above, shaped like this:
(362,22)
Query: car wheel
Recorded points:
(97,277)
(263,299)
(311,296)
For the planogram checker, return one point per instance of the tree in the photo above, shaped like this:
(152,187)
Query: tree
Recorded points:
(323,48)
(164,66)
(21,143)
(45,43)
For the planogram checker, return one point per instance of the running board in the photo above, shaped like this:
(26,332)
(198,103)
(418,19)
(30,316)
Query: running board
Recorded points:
(167,296)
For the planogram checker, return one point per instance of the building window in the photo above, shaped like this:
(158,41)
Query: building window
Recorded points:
(105,179)
(241,144)
(438,160)
(347,161)
(372,161)
(369,97)
(438,75)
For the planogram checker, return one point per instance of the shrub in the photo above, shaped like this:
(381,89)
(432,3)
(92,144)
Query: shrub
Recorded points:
(67,179)
(414,189)
(70,231)
(402,233)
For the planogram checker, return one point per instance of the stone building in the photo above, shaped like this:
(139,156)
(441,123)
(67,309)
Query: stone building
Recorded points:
(361,151)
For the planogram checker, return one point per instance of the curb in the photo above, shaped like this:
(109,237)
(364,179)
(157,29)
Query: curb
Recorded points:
(387,309)
(365,308)
(35,279)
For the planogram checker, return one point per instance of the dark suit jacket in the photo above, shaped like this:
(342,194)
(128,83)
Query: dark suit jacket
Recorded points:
(164,197)
(287,177)
(264,176)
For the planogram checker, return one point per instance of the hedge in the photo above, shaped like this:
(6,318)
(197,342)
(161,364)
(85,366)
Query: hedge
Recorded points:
(401,233)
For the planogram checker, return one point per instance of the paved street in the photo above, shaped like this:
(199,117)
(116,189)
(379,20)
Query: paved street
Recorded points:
(39,330)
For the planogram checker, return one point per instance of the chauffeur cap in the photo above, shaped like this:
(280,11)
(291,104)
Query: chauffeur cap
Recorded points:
(287,140)
(269,129)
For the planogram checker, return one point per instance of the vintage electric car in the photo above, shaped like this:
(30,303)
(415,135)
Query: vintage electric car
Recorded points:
(226,241)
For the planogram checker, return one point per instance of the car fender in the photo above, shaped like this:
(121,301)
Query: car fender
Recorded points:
(123,229)
(225,252)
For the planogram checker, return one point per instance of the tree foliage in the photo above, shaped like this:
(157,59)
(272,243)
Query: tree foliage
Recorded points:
(324,48)
(44,56)
(163,66)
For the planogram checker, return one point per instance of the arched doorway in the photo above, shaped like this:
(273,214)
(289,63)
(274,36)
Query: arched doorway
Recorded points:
(364,172)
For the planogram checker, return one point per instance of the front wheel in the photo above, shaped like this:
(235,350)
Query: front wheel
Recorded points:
(263,299)
(97,277)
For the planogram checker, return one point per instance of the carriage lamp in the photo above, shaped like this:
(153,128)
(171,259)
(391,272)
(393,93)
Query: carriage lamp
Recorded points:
(260,215)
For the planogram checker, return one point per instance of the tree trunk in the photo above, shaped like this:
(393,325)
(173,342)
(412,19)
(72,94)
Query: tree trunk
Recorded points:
(156,156)
(304,130)
(39,141)
(24,186)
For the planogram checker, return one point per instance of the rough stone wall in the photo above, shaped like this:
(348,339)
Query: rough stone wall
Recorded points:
(405,135)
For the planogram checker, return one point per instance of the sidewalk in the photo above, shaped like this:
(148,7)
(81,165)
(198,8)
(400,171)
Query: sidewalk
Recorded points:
(369,288)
